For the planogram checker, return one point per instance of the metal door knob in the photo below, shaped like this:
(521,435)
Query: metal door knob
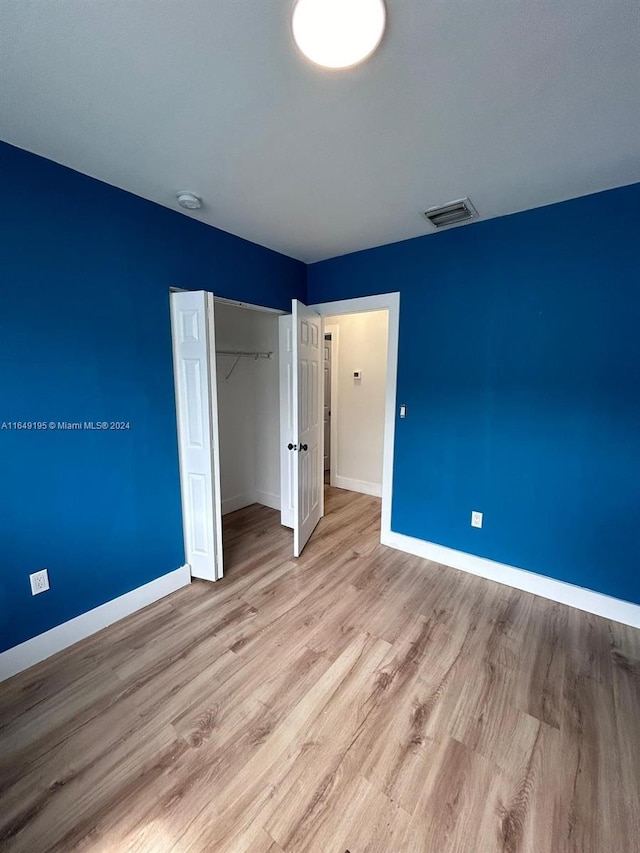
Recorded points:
(292,446)
(304,447)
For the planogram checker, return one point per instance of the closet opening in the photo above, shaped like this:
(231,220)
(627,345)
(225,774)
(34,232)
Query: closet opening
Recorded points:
(247,373)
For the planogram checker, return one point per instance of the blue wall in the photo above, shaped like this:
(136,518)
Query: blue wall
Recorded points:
(519,362)
(85,335)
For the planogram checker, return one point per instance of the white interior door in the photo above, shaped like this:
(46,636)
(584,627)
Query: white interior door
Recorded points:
(307,361)
(287,458)
(194,348)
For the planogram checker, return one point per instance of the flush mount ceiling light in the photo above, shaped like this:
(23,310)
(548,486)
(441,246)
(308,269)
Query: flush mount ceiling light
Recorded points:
(190,201)
(338,33)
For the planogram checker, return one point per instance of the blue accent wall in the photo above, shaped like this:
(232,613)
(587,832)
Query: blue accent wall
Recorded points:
(85,336)
(519,363)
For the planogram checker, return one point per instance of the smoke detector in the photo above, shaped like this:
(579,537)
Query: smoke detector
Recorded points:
(190,201)
(453,213)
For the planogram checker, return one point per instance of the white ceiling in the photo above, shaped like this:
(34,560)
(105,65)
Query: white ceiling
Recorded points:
(515,104)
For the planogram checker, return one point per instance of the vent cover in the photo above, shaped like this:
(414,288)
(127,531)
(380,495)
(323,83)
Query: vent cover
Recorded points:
(451,214)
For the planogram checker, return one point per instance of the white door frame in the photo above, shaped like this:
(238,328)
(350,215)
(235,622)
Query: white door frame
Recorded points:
(333,401)
(251,306)
(359,305)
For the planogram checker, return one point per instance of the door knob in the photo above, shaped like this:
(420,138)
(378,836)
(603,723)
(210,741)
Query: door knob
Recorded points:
(292,446)
(304,447)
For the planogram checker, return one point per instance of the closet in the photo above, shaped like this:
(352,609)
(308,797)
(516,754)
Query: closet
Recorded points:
(248,406)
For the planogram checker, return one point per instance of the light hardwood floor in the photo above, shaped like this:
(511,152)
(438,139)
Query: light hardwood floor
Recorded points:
(354,699)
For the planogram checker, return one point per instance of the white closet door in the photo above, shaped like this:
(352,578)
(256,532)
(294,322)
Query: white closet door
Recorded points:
(308,484)
(193,332)
(287,458)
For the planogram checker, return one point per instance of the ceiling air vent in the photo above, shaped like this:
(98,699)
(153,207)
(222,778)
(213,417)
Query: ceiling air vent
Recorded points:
(451,214)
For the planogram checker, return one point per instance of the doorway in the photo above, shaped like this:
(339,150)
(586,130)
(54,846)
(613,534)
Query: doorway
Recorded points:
(225,357)
(248,414)
(248,406)
(354,403)
(333,314)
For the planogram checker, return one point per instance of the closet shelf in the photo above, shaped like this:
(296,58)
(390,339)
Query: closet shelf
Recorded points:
(239,354)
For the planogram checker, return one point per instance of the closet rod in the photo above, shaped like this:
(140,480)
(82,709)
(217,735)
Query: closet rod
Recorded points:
(238,354)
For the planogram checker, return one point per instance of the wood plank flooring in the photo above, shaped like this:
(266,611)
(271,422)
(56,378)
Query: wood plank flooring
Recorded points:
(356,699)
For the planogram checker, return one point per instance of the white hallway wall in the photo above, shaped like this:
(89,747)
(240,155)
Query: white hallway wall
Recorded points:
(248,405)
(359,418)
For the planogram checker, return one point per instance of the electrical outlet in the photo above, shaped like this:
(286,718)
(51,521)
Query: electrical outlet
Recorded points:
(476,518)
(39,582)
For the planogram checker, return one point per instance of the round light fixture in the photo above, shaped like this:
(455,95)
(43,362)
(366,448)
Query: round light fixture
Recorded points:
(338,33)
(190,201)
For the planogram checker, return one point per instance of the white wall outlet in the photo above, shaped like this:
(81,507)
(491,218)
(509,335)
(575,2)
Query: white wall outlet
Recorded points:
(476,518)
(39,582)
(357,374)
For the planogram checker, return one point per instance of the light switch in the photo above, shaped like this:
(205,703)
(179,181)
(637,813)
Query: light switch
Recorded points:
(403,411)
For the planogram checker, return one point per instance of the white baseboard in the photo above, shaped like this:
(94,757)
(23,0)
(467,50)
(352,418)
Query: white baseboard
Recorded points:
(361,486)
(62,636)
(566,593)
(267,499)
(248,498)
(238,502)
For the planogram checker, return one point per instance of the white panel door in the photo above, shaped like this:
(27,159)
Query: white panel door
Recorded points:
(193,334)
(307,422)
(287,458)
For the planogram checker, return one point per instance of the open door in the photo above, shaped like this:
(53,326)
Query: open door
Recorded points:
(287,458)
(306,447)
(193,333)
